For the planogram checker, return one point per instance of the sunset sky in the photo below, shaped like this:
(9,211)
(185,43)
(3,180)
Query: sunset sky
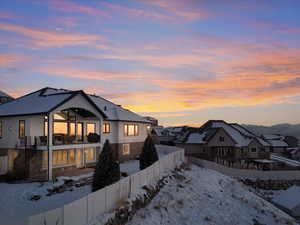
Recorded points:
(181,61)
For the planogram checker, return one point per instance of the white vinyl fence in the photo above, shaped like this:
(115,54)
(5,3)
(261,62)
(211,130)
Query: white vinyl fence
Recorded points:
(244,173)
(86,209)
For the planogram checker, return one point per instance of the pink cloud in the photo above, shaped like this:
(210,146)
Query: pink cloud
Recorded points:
(45,39)
(71,7)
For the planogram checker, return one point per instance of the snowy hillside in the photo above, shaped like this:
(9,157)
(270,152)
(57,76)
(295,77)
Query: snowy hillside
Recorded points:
(207,197)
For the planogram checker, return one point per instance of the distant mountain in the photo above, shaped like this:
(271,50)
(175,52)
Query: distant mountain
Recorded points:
(283,129)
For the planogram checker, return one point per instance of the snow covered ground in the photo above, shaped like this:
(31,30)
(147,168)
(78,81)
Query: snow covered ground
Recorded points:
(208,197)
(15,205)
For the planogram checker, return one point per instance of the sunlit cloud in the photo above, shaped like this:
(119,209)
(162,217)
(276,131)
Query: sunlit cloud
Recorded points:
(72,7)
(45,39)
(188,12)
(8,60)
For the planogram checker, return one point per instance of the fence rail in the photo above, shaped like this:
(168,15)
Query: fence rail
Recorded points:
(243,173)
(86,209)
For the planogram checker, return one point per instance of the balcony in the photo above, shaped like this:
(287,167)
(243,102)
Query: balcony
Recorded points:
(62,139)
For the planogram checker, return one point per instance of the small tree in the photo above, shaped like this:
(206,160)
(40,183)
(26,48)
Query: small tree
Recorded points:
(107,169)
(149,154)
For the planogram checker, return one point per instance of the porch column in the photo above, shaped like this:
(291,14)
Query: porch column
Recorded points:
(50,145)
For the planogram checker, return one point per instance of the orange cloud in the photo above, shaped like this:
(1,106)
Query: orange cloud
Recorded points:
(73,73)
(8,60)
(45,39)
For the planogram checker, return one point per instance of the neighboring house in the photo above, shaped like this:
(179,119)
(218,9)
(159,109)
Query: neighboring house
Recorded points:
(278,145)
(4,98)
(51,130)
(217,139)
(161,135)
(153,121)
(290,200)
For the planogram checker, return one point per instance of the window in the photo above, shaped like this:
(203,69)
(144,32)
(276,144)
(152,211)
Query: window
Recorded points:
(106,128)
(72,129)
(80,131)
(253,149)
(21,128)
(60,116)
(222,139)
(126,149)
(1,128)
(63,157)
(90,128)
(45,128)
(60,128)
(131,130)
(90,154)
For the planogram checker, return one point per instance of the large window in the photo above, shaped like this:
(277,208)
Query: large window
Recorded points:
(90,154)
(21,128)
(64,157)
(1,128)
(60,128)
(106,128)
(131,130)
(90,128)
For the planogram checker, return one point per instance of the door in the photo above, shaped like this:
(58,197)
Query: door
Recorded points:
(3,165)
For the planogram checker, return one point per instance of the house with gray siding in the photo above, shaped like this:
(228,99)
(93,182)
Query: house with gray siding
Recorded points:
(52,130)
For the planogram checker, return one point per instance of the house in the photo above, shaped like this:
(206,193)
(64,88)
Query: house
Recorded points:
(52,130)
(217,139)
(153,121)
(4,98)
(161,135)
(290,200)
(278,145)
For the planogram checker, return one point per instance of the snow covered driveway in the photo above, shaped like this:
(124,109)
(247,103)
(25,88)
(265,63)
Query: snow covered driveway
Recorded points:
(208,197)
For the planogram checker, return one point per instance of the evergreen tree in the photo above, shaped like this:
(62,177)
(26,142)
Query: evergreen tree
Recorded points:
(149,154)
(107,169)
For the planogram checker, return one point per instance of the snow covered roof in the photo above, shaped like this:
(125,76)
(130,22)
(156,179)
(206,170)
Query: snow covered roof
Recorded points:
(196,138)
(3,94)
(278,143)
(289,198)
(242,130)
(272,136)
(33,103)
(158,131)
(116,112)
(44,100)
(239,138)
